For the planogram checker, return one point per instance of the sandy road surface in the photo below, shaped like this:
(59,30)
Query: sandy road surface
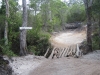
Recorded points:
(68,38)
(70,66)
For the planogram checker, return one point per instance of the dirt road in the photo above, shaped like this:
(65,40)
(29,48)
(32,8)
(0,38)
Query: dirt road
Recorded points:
(85,65)
(64,39)
(69,66)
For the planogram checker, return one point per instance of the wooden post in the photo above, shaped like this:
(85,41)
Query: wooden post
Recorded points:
(23,45)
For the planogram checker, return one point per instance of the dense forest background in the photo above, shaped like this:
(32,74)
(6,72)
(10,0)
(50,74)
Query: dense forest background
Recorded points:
(45,16)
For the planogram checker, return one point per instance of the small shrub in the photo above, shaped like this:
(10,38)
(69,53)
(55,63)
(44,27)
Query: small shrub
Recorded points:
(38,42)
(6,51)
(95,42)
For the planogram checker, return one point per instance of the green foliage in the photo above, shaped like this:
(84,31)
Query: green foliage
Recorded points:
(13,6)
(58,10)
(14,21)
(37,42)
(96,10)
(95,37)
(6,51)
(2,19)
(95,7)
(76,13)
(95,42)
(14,41)
(96,17)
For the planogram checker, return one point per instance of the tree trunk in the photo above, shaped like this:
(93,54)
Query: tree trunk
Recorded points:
(89,30)
(0,33)
(99,31)
(89,26)
(23,45)
(46,15)
(6,22)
